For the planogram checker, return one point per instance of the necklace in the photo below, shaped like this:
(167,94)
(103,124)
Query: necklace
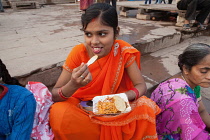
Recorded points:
(186,81)
(183,78)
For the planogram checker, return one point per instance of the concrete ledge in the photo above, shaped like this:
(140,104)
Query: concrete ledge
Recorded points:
(15,4)
(47,77)
(157,44)
(158,61)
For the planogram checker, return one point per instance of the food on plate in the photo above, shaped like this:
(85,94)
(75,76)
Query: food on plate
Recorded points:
(119,103)
(111,105)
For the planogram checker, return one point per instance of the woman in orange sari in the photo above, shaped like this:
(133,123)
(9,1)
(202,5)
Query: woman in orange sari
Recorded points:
(117,70)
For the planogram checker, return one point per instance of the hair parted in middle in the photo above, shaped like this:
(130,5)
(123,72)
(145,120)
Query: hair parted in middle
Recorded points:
(104,11)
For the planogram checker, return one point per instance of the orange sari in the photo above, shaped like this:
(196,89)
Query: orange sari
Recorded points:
(69,121)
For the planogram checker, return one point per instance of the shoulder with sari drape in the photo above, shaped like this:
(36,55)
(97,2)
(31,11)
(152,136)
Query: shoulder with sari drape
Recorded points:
(108,73)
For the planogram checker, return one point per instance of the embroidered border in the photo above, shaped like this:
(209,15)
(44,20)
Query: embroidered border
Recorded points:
(116,46)
(127,47)
(127,121)
(67,68)
(120,63)
(150,137)
(117,75)
(148,102)
(130,61)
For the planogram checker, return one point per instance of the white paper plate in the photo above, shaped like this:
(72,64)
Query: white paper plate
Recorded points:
(96,99)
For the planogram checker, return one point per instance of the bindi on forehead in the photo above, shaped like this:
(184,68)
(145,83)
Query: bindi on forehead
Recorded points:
(93,20)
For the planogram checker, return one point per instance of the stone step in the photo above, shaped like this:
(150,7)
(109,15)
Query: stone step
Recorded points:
(156,66)
(163,64)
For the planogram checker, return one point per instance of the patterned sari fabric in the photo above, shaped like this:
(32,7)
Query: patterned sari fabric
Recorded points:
(69,121)
(179,118)
(41,129)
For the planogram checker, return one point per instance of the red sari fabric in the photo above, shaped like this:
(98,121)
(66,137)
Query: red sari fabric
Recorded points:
(84,4)
(69,121)
(4,92)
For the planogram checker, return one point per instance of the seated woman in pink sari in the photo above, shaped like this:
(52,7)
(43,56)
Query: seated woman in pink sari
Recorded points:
(183,115)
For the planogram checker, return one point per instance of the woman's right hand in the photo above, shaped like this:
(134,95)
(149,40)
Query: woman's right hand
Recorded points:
(81,76)
(70,82)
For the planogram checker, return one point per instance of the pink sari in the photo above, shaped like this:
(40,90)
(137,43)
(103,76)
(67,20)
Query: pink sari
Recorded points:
(179,118)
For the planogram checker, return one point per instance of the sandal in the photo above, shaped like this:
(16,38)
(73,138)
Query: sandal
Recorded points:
(187,28)
(199,26)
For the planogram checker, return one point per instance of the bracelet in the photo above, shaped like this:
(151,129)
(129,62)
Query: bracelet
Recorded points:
(60,93)
(136,92)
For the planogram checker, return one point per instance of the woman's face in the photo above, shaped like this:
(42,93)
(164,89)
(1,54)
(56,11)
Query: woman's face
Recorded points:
(200,74)
(98,38)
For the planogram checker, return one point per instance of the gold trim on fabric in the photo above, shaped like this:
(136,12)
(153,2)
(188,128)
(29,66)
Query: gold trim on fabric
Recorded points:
(116,46)
(127,47)
(130,61)
(67,68)
(119,65)
(150,137)
(127,121)
(148,102)
(117,75)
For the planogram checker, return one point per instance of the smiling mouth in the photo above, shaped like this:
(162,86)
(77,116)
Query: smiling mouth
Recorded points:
(97,49)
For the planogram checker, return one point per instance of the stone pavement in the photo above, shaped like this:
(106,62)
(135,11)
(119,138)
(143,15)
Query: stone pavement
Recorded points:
(35,42)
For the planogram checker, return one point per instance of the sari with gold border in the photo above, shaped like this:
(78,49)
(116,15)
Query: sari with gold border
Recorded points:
(109,75)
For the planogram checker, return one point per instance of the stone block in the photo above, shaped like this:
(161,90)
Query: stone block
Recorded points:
(141,16)
(141,11)
(180,21)
(47,77)
(123,13)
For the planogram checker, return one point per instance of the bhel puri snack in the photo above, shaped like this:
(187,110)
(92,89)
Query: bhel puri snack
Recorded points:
(111,105)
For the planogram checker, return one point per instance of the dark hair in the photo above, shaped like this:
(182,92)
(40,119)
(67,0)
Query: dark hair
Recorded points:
(192,55)
(104,11)
(6,78)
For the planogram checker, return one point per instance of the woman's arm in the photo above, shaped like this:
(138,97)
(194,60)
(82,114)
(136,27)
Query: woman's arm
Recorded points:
(69,82)
(204,115)
(138,81)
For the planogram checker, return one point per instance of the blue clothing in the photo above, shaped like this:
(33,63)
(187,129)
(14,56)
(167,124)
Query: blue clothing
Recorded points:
(1,7)
(145,2)
(17,109)
(160,1)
